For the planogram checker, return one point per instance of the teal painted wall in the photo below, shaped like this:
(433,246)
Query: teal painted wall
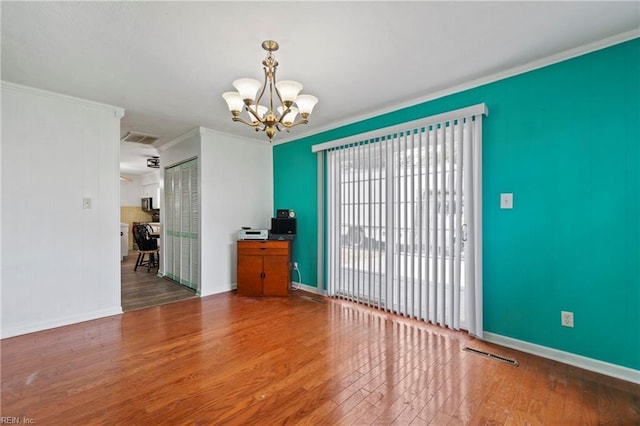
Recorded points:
(565,140)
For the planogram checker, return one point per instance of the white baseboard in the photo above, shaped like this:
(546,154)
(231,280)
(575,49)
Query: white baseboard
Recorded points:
(295,286)
(308,288)
(617,371)
(59,322)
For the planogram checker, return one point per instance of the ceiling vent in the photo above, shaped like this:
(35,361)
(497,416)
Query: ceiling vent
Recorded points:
(137,137)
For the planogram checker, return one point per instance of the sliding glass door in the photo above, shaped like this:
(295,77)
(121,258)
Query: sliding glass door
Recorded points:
(403,212)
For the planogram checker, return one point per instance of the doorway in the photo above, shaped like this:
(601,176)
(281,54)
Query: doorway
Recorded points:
(140,179)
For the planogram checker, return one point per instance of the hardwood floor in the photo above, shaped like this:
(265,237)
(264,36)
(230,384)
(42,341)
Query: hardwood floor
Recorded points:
(141,289)
(302,359)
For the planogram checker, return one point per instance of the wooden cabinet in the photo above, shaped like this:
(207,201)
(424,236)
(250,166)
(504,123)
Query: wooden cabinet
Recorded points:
(264,268)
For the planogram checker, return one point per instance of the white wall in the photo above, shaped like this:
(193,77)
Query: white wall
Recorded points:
(131,192)
(60,262)
(147,185)
(237,182)
(236,188)
(151,178)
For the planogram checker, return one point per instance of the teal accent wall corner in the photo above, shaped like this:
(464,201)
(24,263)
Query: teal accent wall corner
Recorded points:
(565,140)
(295,171)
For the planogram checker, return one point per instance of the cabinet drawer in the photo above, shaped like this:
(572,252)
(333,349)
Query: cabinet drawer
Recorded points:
(262,252)
(270,244)
(260,248)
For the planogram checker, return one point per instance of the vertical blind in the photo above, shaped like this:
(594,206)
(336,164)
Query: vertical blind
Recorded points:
(182,224)
(403,221)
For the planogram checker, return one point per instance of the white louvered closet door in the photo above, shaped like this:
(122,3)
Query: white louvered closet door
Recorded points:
(182,245)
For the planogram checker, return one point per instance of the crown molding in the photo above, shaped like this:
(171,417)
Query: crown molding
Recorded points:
(202,131)
(117,111)
(175,141)
(205,130)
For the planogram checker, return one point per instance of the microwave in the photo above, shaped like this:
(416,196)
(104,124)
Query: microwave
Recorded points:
(147,204)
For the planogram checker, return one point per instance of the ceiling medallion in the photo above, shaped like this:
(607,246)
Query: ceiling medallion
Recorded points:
(285,94)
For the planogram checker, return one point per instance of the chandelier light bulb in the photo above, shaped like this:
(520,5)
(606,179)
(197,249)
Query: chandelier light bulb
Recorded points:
(305,104)
(262,110)
(289,90)
(247,87)
(234,102)
(289,117)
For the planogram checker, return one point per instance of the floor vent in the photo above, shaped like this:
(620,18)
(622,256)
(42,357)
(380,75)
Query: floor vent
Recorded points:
(492,356)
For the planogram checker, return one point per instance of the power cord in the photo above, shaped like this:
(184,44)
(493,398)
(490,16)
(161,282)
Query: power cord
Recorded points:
(293,287)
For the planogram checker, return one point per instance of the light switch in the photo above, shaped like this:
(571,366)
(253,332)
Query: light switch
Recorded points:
(506,201)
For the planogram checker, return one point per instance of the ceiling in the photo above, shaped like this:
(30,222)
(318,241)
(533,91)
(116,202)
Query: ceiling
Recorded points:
(167,63)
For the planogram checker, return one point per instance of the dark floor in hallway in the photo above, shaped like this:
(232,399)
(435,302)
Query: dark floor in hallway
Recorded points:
(141,289)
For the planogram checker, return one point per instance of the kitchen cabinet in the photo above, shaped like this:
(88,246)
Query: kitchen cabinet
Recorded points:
(264,268)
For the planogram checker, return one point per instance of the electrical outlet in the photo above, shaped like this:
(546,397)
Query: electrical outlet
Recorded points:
(506,201)
(566,319)
(295,265)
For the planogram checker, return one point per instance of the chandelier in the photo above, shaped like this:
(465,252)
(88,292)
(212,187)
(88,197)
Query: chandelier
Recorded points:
(265,118)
